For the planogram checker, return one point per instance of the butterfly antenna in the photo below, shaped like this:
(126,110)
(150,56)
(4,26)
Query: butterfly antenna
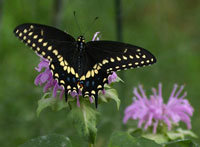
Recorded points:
(90,25)
(77,22)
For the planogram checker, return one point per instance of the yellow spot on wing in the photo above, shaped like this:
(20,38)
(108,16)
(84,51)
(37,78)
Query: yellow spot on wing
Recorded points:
(118,58)
(124,57)
(92,73)
(98,67)
(123,65)
(105,61)
(66,63)
(43,53)
(125,50)
(72,71)
(62,63)
(144,56)
(93,92)
(40,40)
(25,30)
(62,82)
(52,66)
(50,48)
(95,66)
(60,59)
(68,69)
(77,75)
(42,32)
(45,44)
(82,78)
(130,56)
(112,60)
(68,87)
(29,34)
(56,75)
(99,86)
(55,52)
(65,68)
(96,71)
(35,36)
(88,74)
(137,56)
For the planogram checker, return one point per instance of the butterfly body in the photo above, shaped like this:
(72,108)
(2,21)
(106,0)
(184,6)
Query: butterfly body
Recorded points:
(78,65)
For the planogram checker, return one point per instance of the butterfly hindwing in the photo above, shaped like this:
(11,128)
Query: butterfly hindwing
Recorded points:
(93,81)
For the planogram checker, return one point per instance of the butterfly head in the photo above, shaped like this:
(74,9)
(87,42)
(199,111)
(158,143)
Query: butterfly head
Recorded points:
(80,39)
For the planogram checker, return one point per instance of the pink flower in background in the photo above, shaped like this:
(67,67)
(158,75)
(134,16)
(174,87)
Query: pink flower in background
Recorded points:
(153,111)
(46,78)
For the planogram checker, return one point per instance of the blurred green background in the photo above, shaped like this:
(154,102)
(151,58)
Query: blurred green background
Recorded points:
(170,29)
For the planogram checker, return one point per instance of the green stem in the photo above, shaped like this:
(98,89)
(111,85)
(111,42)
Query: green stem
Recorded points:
(91,145)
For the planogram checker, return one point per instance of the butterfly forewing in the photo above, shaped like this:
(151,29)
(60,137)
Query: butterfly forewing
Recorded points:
(56,46)
(115,56)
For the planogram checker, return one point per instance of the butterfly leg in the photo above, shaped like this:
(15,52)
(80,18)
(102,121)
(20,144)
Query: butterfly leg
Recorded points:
(96,100)
(66,95)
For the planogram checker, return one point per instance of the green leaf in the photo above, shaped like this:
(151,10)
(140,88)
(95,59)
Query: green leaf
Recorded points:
(158,138)
(124,139)
(52,140)
(135,132)
(181,143)
(180,134)
(46,101)
(111,94)
(119,79)
(84,120)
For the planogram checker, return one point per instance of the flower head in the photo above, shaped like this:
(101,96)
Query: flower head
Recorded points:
(152,112)
(46,78)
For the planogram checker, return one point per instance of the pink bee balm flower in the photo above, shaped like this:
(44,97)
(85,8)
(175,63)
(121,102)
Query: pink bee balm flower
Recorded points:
(46,78)
(152,112)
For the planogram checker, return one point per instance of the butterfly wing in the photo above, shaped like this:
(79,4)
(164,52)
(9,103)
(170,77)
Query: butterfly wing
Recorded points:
(56,46)
(117,56)
(44,31)
(105,57)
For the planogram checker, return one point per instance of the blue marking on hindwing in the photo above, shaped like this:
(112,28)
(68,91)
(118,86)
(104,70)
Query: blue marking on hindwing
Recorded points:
(73,79)
(87,83)
(93,83)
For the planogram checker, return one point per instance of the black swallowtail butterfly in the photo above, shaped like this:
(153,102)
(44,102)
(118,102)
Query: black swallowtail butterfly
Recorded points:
(79,64)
